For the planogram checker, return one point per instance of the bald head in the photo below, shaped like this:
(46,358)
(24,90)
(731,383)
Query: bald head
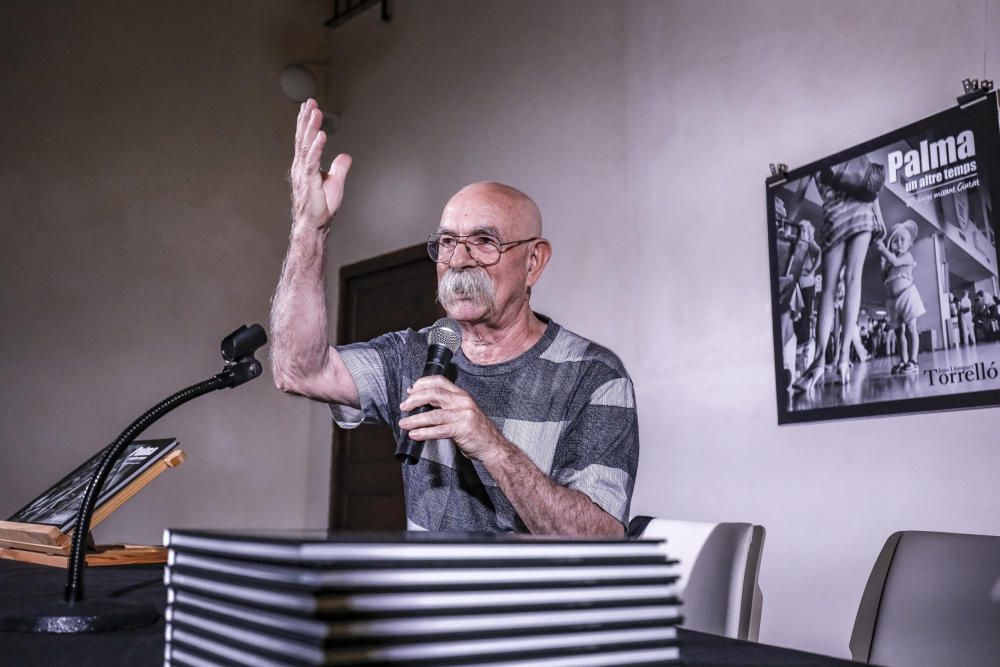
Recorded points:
(511,212)
(508,227)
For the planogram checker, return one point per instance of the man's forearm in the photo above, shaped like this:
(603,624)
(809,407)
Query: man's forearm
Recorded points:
(298,311)
(546,507)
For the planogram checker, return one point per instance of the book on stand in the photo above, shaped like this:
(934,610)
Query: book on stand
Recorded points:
(42,531)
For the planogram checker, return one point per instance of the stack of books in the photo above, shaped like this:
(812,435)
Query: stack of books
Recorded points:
(417,599)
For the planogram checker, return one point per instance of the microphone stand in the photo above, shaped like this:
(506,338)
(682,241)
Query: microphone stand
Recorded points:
(74,613)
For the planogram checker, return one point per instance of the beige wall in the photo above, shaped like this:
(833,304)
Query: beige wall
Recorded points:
(144,217)
(644,129)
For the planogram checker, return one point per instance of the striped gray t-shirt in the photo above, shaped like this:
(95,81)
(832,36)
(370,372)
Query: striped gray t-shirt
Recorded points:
(567,403)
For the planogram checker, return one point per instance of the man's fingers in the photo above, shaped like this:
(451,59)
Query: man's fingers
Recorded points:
(425,419)
(435,390)
(315,151)
(313,120)
(431,425)
(300,124)
(430,433)
(438,396)
(431,381)
(425,396)
(308,132)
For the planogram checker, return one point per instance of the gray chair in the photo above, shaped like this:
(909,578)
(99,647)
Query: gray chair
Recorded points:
(932,599)
(718,564)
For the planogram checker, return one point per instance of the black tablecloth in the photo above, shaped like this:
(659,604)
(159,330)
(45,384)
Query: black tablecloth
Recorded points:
(144,583)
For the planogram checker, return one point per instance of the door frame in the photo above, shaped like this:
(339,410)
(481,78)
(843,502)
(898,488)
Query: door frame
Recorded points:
(389,260)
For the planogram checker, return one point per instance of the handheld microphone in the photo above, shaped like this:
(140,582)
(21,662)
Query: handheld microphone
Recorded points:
(443,340)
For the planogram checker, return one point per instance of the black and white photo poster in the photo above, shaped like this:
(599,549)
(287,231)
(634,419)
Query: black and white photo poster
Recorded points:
(884,275)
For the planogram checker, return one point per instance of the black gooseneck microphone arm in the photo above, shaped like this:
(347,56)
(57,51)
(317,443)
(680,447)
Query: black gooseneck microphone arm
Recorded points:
(237,350)
(74,579)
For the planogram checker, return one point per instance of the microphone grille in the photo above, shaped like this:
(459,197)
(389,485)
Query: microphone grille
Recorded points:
(445,332)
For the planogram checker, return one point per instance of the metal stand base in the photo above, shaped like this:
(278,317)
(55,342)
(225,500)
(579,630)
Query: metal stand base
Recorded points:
(56,616)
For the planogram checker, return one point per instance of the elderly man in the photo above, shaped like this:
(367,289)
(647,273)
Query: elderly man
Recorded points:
(537,432)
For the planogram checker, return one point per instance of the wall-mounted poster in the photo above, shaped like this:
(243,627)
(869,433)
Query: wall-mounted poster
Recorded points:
(884,275)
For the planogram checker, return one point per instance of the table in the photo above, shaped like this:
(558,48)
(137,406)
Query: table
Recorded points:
(144,583)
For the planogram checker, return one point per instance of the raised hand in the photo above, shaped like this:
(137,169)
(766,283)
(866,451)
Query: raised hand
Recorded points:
(316,194)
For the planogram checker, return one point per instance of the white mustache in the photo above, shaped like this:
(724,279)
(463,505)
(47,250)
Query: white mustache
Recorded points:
(473,284)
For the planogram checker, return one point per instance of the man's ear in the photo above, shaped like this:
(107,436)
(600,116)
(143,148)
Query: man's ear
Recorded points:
(538,257)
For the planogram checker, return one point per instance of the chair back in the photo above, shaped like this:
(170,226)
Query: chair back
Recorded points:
(718,564)
(932,599)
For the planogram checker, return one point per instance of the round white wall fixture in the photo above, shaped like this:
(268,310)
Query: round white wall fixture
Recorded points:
(297,82)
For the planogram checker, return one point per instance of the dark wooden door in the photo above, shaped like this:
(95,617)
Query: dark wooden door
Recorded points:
(386,293)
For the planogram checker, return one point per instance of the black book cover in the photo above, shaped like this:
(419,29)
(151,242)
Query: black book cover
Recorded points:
(228,640)
(185,656)
(408,576)
(442,548)
(401,603)
(482,622)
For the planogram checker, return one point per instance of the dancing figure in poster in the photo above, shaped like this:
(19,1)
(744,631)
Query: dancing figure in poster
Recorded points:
(904,304)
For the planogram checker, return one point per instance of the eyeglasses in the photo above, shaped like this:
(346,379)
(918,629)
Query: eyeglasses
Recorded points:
(483,248)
